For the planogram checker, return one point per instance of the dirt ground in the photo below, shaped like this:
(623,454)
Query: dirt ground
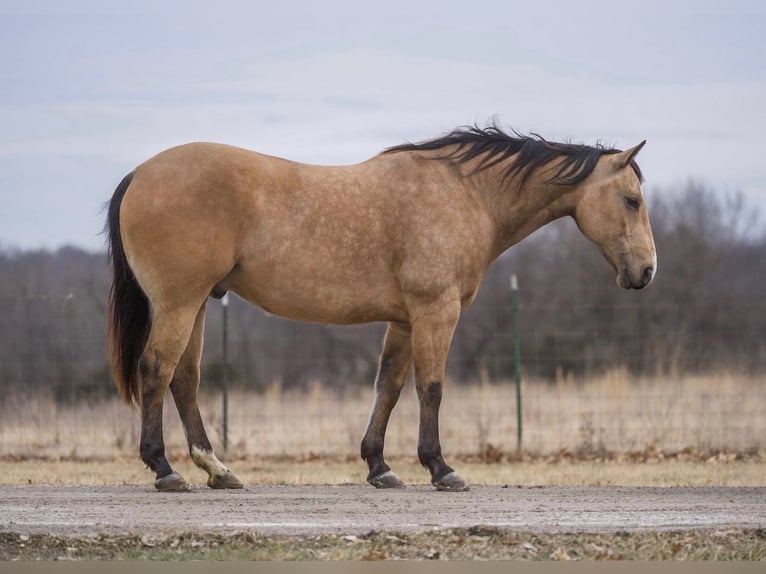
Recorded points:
(85,510)
(704,508)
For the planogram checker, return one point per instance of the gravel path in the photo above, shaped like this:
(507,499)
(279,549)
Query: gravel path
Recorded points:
(308,510)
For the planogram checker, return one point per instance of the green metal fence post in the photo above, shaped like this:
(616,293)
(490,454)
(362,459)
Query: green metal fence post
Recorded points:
(517,355)
(225,374)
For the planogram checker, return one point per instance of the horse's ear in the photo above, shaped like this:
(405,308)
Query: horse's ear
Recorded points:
(625,157)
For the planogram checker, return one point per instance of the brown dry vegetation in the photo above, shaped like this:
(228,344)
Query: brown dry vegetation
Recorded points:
(612,430)
(613,417)
(537,472)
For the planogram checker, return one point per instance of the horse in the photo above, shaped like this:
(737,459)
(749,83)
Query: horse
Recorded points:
(405,237)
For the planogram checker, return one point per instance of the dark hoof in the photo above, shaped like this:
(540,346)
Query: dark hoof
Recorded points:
(171,483)
(451,483)
(227,480)
(386,480)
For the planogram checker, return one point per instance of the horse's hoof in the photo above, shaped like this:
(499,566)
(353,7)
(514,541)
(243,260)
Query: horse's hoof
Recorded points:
(227,480)
(451,483)
(171,483)
(386,480)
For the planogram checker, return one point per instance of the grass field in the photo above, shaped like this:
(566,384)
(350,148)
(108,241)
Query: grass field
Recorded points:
(611,430)
(549,472)
(614,415)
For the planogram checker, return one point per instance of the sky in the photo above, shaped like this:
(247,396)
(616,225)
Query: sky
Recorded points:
(90,89)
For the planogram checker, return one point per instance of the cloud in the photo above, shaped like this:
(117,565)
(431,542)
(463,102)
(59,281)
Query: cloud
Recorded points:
(381,97)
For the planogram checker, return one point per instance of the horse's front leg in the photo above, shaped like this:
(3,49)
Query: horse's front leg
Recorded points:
(395,364)
(432,329)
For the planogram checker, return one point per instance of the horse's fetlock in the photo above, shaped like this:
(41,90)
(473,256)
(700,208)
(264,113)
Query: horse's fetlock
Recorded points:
(151,454)
(371,448)
(205,459)
(427,454)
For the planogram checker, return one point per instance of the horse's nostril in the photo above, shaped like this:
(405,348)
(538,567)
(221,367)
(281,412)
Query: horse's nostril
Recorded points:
(647,275)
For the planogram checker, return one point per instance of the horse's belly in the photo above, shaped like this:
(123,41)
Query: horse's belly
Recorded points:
(306,297)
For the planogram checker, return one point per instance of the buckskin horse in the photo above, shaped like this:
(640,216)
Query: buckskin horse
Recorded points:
(404,237)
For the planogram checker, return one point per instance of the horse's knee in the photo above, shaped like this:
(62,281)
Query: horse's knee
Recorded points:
(430,393)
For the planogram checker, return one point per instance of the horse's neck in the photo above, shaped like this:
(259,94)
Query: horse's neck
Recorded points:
(521,209)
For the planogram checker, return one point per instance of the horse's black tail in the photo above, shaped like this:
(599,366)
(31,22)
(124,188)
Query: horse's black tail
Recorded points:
(130,319)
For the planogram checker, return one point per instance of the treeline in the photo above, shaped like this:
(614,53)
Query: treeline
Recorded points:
(704,312)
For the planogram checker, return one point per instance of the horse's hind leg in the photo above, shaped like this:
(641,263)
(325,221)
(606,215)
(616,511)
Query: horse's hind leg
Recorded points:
(184,387)
(168,338)
(395,364)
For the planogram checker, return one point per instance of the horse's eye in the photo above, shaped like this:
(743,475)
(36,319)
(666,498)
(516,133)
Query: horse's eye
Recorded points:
(632,202)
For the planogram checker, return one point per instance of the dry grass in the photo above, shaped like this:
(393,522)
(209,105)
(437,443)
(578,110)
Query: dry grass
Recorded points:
(611,414)
(538,473)
(613,430)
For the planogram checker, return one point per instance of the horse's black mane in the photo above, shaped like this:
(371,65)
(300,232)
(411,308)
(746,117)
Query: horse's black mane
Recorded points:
(494,146)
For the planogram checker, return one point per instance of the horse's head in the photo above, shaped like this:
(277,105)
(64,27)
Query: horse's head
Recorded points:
(611,212)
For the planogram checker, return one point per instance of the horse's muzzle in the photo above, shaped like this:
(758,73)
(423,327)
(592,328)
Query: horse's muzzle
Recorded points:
(627,280)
